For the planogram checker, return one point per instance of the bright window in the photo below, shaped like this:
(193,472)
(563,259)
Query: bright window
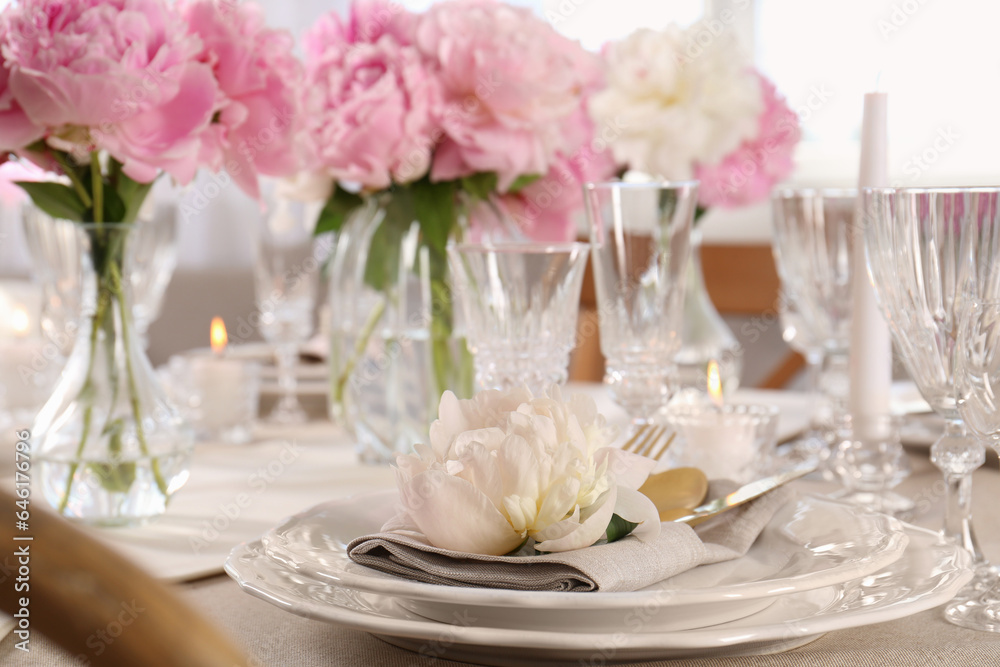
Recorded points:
(938,62)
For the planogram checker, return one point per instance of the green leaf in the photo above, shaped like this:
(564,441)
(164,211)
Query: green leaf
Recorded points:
(382,266)
(131,194)
(619,528)
(340,205)
(56,199)
(434,207)
(480,185)
(114,208)
(115,476)
(523,181)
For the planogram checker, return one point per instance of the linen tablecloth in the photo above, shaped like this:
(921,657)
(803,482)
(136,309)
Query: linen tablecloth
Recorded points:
(287,471)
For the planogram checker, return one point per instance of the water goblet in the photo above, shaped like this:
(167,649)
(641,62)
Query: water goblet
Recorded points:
(929,251)
(286,281)
(812,251)
(814,443)
(977,375)
(640,244)
(520,302)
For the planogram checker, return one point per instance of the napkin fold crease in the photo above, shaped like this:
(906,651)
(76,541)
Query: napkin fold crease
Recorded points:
(626,565)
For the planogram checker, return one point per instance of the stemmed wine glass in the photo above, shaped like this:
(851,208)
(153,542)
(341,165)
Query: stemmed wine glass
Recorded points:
(286,274)
(814,244)
(977,374)
(813,444)
(640,245)
(812,251)
(929,251)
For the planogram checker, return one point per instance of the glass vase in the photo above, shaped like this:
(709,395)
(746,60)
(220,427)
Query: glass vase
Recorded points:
(705,336)
(394,347)
(108,446)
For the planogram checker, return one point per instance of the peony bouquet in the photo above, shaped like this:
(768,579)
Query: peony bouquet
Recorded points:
(689,110)
(106,95)
(521,468)
(473,96)
(470,118)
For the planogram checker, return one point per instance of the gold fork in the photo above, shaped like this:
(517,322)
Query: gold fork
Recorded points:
(649,440)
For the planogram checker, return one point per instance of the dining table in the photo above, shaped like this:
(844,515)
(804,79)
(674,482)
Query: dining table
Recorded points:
(238,492)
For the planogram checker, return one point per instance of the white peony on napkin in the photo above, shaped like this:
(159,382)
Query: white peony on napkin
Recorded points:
(626,565)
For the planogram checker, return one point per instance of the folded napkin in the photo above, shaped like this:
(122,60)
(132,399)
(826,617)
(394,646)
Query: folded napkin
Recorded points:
(625,565)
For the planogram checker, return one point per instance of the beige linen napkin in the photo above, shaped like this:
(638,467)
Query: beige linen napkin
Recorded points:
(625,565)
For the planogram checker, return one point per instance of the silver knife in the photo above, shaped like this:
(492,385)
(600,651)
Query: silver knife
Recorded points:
(745,493)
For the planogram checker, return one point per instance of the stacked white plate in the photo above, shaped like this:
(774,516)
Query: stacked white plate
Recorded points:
(818,566)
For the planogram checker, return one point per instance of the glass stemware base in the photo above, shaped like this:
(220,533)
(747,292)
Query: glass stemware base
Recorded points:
(288,410)
(870,461)
(977,606)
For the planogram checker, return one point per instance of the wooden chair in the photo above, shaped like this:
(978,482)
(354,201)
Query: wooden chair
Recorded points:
(741,279)
(95,604)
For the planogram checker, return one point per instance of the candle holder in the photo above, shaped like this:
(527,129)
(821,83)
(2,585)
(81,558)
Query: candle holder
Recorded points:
(730,441)
(217,395)
(870,462)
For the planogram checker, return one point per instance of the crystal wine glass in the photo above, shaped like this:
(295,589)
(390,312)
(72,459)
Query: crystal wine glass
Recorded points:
(286,275)
(813,444)
(520,302)
(977,374)
(640,244)
(814,242)
(929,251)
(812,251)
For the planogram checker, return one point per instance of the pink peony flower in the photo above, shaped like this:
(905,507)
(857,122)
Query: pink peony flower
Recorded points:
(510,83)
(16,130)
(256,114)
(111,74)
(371,100)
(547,210)
(749,173)
(366,23)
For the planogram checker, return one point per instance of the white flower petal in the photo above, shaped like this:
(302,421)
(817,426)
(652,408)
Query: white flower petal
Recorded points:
(627,469)
(590,530)
(637,508)
(455,515)
(518,468)
(559,501)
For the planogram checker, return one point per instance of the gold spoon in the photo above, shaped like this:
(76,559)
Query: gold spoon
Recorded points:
(675,492)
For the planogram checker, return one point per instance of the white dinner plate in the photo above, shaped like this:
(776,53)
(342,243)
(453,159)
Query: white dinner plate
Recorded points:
(930,572)
(810,543)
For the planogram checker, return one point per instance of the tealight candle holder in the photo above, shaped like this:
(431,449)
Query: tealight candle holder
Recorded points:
(217,394)
(729,441)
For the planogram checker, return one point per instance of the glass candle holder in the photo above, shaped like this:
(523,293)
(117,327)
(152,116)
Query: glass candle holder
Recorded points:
(219,396)
(729,441)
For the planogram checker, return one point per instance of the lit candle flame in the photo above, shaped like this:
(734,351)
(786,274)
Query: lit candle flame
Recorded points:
(714,383)
(218,335)
(20,321)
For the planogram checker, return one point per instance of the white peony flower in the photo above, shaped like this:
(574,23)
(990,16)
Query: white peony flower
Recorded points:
(506,466)
(675,101)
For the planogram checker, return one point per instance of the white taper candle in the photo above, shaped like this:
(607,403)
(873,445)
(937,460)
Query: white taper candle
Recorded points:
(871,347)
